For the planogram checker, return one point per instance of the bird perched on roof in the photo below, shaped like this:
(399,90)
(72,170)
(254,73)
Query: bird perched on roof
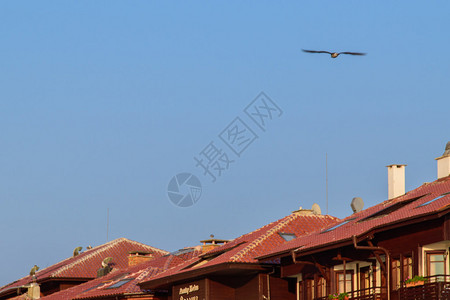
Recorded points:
(447,149)
(333,54)
(106,262)
(76,251)
(34,270)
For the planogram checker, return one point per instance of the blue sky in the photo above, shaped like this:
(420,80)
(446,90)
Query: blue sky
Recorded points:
(101,103)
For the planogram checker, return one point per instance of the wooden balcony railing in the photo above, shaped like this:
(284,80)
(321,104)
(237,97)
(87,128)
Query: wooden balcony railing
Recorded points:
(375,293)
(436,288)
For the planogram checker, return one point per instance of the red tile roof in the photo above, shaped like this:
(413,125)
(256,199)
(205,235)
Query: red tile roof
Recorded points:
(247,247)
(409,206)
(100,287)
(86,264)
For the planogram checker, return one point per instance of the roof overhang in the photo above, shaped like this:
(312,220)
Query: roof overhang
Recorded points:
(348,240)
(226,269)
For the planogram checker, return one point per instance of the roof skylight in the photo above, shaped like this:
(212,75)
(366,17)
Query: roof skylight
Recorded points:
(119,283)
(390,209)
(287,236)
(182,251)
(431,201)
(94,287)
(338,225)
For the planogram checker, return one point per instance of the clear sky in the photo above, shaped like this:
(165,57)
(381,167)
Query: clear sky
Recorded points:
(103,102)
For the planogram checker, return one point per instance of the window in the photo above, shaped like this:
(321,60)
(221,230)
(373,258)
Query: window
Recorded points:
(402,268)
(338,225)
(407,268)
(431,201)
(364,280)
(344,284)
(182,251)
(313,289)
(287,236)
(94,287)
(119,283)
(310,289)
(436,263)
(321,287)
(386,211)
(396,277)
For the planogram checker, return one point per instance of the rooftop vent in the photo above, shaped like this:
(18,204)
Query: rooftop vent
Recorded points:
(443,163)
(211,243)
(357,204)
(396,180)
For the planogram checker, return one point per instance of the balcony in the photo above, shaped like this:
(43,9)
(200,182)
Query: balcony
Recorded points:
(436,288)
(375,293)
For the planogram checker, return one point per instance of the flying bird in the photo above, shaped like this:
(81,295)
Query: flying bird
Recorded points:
(333,54)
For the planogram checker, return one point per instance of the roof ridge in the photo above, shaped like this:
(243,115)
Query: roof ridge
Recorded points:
(254,231)
(93,252)
(283,222)
(168,262)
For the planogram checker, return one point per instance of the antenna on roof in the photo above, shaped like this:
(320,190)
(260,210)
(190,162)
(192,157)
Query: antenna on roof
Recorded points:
(357,204)
(316,209)
(326,177)
(107,224)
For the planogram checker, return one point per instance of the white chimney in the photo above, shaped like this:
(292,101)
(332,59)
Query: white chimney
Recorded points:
(34,291)
(443,163)
(396,180)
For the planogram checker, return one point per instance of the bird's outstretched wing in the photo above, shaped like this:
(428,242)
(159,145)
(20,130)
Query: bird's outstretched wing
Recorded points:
(314,51)
(353,53)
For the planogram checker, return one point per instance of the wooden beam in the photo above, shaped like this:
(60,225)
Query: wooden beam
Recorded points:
(382,264)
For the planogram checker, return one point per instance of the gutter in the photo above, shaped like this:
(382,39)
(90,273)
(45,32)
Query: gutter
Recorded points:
(388,262)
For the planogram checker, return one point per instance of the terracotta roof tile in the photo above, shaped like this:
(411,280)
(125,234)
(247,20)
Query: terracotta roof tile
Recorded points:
(247,247)
(403,208)
(86,264)
(100,287)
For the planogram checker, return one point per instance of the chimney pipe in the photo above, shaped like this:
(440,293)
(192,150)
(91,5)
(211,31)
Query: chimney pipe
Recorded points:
(396,180)
(443,163)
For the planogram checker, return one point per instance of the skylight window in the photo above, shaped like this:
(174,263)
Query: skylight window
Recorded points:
(94,287)
(338,225)
(182,251)
(287,236)
(119,283)
(390,209)
(431,201)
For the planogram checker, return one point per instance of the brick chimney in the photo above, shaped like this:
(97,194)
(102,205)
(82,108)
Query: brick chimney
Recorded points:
(396,180)
(443,163)
(138,257)
(212,243)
